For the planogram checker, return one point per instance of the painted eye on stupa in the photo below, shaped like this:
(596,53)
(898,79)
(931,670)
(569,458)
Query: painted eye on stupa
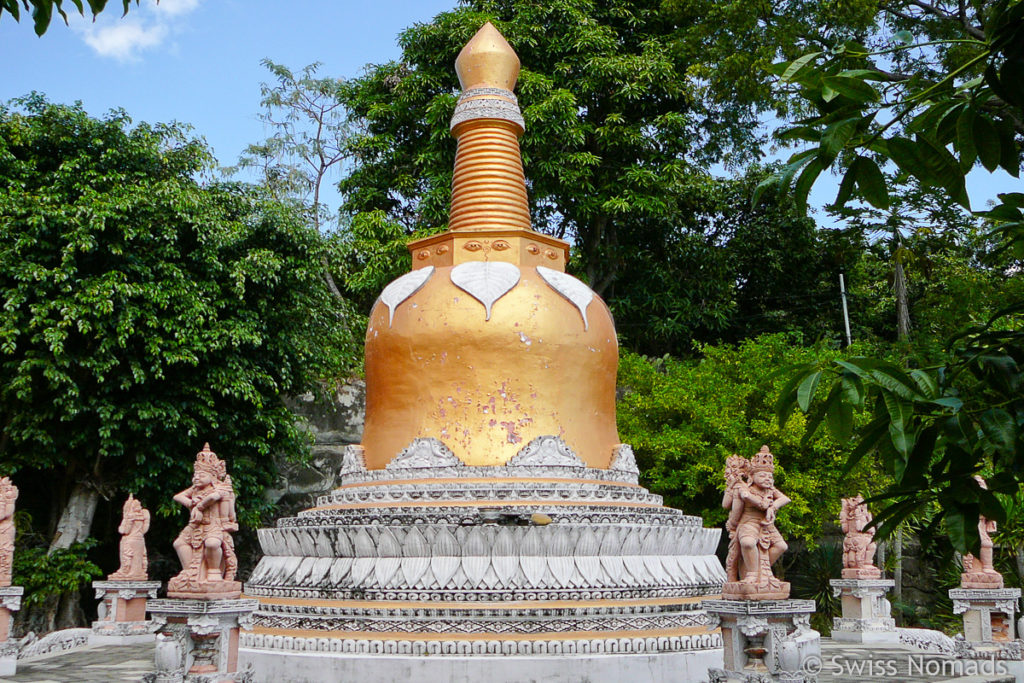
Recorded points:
(501,245)
(533,249)
(473,246)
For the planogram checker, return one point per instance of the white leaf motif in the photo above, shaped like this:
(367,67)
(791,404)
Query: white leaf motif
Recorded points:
(572,289)
(486,281)
(401,289)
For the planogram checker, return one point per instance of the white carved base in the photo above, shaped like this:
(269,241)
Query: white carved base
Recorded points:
(10,602)
(8,659)
(197,640)
(989,614)
(122,612)
(867,614)
(765,641)
(327,667)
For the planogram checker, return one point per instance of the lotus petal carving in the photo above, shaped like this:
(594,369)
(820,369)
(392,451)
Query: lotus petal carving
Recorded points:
(485,281)
(446,557)
(402,288)
(578,294)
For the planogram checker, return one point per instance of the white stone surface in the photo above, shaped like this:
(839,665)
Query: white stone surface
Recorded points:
(675,667)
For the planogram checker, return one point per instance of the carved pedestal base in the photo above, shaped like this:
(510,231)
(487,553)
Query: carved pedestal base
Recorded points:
(867,614)
(772,590)
(122,612)
(197,640)
(10,602)
(983,580)
(989,627)
(184,589)
(766,641)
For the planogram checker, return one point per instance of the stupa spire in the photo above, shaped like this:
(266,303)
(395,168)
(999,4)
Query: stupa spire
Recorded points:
(487,61)
(488,186)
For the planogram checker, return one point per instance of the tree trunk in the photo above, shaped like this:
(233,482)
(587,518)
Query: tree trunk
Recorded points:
(76,519)
(897,573)
(902,306)
(1019,556)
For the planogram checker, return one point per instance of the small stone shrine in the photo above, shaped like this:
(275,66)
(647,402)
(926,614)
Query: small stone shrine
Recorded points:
(766,636)
(490,525)
(10,596)
(122,611)
(989,610)
(197,630)
(867,616)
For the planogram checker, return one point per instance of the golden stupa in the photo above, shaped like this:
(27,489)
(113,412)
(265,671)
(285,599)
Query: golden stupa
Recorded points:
(490,526)
(490,360)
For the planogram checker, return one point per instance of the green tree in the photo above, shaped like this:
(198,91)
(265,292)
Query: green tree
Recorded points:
(616,135)
(310,132)
(684,417)
(935,101)
(145,312)
(727,271)
(42,10)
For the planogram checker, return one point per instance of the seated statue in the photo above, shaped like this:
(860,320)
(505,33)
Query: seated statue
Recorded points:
(205,547)
(859,543)
(754,542)
(133,528)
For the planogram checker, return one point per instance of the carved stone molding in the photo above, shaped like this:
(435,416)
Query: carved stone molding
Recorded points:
(623,459)
(455,647)
(546,451)
(353,461)
(424,453)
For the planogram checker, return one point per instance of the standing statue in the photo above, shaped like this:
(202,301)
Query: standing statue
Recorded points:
(133,528)
(754,542)
(8,494)
(859,543)
(205,547)
(979,571)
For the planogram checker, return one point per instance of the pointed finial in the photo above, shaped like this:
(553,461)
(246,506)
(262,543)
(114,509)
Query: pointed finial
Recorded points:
(487,61)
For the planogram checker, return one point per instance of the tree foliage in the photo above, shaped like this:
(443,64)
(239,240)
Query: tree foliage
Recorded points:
(42,10)
(934,103)
(145,312)
(617,133)
(685,417)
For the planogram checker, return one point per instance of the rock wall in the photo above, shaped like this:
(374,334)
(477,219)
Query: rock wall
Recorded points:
(334,425)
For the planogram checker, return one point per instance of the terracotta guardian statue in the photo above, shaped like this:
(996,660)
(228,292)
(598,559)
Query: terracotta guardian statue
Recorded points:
(979,571)
(133,528)
(8,494)
(205,547)
(859,543)
(754,542)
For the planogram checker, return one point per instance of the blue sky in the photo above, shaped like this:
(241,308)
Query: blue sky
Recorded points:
(198,61)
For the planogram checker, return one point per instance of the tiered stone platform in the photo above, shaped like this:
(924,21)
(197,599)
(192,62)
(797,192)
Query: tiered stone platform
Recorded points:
(538,559)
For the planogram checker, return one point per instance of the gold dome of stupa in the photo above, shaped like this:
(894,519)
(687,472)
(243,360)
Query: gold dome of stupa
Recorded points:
(487,343)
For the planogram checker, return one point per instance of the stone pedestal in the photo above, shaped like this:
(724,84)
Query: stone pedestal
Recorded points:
(122,611)
(10,602)
(766,640)
(867,614)
(989,623)
(197,640)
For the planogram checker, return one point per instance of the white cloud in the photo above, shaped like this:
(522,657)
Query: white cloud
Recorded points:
(146,27)
(175,8)
(124,41)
